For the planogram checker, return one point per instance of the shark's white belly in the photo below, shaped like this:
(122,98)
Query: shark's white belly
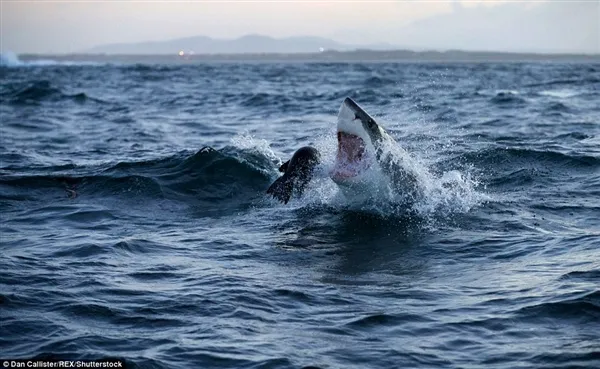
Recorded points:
(368,185)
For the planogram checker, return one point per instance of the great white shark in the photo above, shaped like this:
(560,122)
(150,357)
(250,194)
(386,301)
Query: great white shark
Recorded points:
(367,159)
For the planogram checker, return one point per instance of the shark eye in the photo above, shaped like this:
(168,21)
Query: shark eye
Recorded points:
(371,123)
(356,117)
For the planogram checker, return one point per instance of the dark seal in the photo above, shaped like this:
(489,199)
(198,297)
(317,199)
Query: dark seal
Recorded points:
(298,171)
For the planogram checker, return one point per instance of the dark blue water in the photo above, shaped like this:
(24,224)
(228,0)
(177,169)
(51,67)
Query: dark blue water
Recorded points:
(121,238)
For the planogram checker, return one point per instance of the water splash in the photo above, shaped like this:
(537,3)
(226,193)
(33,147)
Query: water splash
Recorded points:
(12,60)
(249,143)
(9,59)
(429,196)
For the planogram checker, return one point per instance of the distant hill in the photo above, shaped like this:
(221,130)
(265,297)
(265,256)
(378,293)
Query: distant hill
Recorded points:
(249,44)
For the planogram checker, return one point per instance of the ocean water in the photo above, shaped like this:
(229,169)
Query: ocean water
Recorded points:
(122,237)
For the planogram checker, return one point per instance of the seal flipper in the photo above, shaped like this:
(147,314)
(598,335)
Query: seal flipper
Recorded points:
(282,189)
(284,166)
(298,173)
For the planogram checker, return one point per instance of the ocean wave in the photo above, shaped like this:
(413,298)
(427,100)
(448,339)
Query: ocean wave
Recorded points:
(564,82)
(583,308)
(584,276)
(277,73)
(377,82)
(508,98)
(364,95)
(138,67)
(33,91)
(558,107)
(262,99)
(41,90)
(212,175)
(561,94)
(224,178)
(40,186)
(12,60)
(516,157)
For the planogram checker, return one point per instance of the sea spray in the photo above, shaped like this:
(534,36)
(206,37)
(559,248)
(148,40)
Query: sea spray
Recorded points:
(435,196)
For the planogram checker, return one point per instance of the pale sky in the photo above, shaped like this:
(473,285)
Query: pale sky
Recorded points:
(47,26)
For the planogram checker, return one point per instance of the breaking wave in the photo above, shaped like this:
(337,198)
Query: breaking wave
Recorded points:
(10,59)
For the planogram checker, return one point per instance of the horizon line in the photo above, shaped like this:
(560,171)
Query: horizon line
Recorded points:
(315,53)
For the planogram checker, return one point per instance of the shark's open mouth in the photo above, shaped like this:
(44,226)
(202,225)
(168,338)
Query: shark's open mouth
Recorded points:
(352,157)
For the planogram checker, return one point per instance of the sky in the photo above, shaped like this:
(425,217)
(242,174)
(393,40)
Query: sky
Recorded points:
(63,26)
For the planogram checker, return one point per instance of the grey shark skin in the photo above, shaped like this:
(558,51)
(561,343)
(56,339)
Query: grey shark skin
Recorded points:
(361,143)
(368,123)
(297,174)
(393,165)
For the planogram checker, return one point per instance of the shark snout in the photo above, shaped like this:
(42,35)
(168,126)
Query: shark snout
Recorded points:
(354,111)
(351,104)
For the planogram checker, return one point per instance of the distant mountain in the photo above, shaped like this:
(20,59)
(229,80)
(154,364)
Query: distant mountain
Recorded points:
(249,44)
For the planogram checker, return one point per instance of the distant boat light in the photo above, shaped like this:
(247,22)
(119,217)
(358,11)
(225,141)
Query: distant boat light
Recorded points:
(321,49)
(181,53)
